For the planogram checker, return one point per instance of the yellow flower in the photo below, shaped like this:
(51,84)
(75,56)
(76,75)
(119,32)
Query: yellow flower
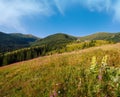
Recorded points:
(94,62)
(104,60)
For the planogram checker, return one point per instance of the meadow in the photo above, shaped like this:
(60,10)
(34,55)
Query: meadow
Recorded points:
(92,72)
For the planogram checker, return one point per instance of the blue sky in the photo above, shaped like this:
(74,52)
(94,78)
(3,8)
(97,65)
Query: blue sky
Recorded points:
(45,17)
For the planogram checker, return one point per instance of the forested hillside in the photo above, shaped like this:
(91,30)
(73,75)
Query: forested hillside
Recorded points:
(55,41)
(10,42)
(25,37)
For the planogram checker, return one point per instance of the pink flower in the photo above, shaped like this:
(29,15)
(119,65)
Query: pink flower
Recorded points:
(55,94)
(100,77)
(105,95)
(51,95)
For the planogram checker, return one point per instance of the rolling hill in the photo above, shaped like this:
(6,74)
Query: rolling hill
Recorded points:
(115,37)
(9,42)
(55,41)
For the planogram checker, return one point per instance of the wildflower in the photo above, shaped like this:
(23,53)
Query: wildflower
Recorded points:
(104,60)
(58,84)
(117,85)
(51,96)
(116,79)
(79,84)
(100,77)
(94,60)
(93,64)
(105,95)
(59,92)
(55,94)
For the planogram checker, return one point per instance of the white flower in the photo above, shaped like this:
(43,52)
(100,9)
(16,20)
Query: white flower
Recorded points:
(116,79)
(58,92)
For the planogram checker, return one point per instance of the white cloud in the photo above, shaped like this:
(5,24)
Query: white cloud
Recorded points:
(98,5)
(12,11)
(111,7)
(63,5)
(116,9)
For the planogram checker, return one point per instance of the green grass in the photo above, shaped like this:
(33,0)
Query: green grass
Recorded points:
(65,75)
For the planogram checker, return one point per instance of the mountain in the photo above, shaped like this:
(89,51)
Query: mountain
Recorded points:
(115,37)
(55,41)
(25,37)
(9,42)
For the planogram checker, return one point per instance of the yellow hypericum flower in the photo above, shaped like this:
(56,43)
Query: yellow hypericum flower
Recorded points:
(93,63)
(104,60)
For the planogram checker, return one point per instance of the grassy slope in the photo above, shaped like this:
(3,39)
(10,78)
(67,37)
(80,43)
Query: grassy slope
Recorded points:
(40,76)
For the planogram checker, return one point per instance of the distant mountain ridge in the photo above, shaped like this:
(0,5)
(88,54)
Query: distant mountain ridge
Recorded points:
(25,37)
(9,42)
(13,41)
(115,37)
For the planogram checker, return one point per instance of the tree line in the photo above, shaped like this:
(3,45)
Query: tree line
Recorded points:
(21,55)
